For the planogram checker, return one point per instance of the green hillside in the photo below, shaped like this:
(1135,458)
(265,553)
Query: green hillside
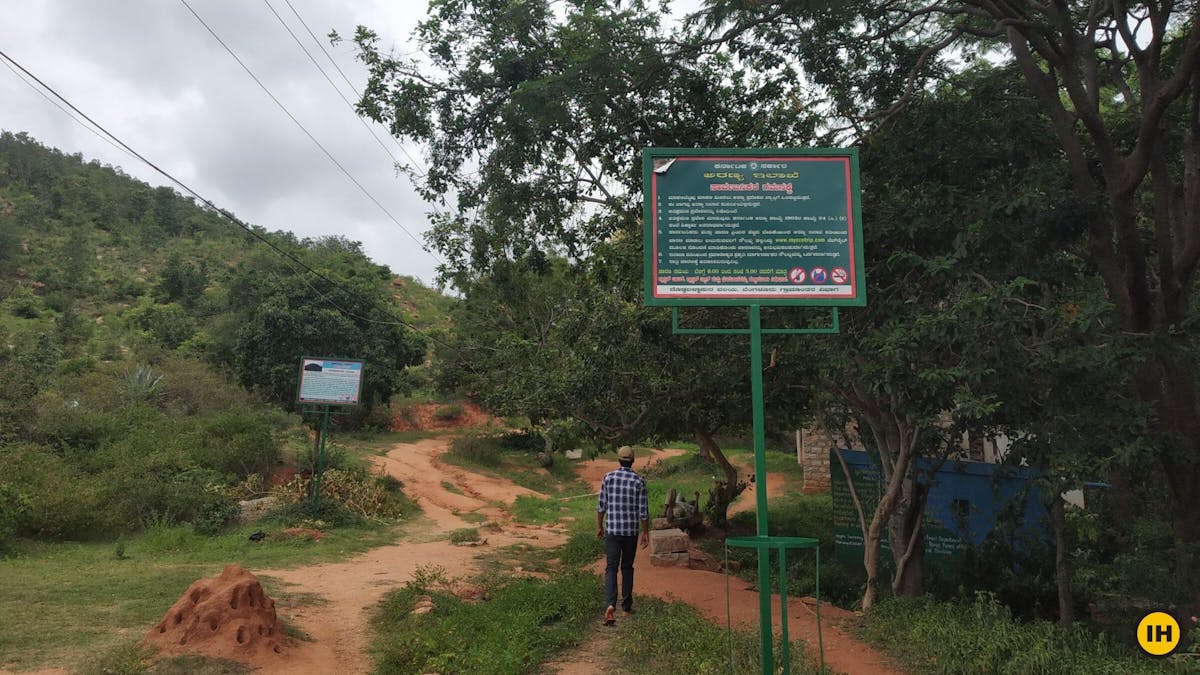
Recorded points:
(149,347)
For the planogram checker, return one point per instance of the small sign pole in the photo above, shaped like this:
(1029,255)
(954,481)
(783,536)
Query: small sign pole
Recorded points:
(316,493)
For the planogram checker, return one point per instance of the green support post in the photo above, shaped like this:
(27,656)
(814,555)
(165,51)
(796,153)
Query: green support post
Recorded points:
(760,487)
(320,457)
(763,542)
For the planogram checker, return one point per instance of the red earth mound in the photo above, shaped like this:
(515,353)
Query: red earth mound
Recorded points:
(431,416)
(227,617)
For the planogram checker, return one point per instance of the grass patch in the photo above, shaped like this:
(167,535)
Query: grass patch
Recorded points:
(472,517)
(982,637)
(488,454)
(64,603)
(667,637)
(523,623)
(464,535)
(451,487)
(537,511)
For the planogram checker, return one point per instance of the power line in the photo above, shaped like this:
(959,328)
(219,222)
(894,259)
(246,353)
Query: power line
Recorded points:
(66,112)
(395,162)
(312,138)
(234,219)
(346,79)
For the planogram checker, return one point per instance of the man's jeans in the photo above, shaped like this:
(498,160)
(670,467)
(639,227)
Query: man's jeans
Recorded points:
(620,551)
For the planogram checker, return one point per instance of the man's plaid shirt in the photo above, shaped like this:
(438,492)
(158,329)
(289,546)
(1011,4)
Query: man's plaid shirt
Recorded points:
(623,502)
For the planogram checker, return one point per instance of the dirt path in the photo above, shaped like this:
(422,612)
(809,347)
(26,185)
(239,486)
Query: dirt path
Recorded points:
(349,590)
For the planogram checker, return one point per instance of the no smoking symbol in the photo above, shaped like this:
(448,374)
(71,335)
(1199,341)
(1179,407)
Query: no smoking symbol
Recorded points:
(838,275)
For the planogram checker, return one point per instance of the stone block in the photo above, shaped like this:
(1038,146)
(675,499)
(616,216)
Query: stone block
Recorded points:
(660,524)
(669,559)
(699,560)
(668,541)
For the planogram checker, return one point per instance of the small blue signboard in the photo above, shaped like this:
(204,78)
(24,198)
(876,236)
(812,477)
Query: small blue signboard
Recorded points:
(330,381)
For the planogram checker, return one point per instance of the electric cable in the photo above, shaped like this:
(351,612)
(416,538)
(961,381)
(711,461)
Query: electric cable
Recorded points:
(307,133)
(395,161)
(232,218)
(348,82)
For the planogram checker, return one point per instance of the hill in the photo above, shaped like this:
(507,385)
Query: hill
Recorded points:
(148,345)
(105,263)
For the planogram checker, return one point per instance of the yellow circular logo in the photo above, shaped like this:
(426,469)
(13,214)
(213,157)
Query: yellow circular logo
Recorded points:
(1158,634)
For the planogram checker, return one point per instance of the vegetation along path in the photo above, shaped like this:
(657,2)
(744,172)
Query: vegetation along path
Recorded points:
(338,625)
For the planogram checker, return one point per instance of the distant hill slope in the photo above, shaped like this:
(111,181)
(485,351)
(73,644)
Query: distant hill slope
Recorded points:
(96,265)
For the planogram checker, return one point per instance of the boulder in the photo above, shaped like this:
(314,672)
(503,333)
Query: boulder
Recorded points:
(673,540)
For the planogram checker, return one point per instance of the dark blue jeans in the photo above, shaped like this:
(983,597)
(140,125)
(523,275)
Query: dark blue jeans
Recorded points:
(620,551)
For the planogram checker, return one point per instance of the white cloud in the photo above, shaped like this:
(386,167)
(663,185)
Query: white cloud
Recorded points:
(151,74)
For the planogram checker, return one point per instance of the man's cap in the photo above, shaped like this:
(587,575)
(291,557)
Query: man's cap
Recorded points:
(625,452)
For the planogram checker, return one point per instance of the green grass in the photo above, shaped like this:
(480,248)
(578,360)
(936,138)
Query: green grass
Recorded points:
(132,659)
(938,637)
(663,637)
(464,535)
(451,487)
(519,627)
(485,454)
(64,602)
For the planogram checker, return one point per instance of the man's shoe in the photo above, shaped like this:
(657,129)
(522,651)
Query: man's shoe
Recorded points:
(627,612)
(610,618)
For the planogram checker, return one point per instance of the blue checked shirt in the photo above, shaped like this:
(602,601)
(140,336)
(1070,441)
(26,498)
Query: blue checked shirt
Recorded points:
(623,502)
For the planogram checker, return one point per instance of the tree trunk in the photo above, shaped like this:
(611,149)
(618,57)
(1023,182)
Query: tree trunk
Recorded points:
(908,540)
(1062,571)
(725,491)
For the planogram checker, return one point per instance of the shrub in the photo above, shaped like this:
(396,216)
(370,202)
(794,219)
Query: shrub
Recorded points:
(13,505)
(982,637)
(449,412)
(355,491)
(476,449)
(237,442)
(59,501)
(215,515)
(464,535)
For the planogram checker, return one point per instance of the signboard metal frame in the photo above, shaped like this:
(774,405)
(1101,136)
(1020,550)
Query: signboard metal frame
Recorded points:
(731,172)
(779,272)
(321,401)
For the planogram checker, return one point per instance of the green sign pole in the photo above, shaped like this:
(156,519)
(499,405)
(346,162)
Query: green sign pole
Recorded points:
(320,458)
(760,487)
(754,227)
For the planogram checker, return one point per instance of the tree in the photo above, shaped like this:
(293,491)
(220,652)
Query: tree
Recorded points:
(1119,87)
(534,115)
(555,341)
(287,315)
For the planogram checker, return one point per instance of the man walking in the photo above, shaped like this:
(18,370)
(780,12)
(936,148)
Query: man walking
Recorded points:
(623,504)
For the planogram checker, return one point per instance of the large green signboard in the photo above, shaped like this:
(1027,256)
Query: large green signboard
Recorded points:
(758,226)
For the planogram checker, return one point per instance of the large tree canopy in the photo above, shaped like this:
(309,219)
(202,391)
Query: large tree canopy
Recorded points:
(1119,85)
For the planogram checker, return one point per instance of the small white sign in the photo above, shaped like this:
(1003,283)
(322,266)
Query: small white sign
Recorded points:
(330,381)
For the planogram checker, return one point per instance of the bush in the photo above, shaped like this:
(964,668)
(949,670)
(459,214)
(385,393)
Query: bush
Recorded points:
(521,624)
(238,443)
(329,513)
(60,502)
(215,516)
(464,535)
(528,441)
(357,492)
(13,505)
(476,449)
(982,637)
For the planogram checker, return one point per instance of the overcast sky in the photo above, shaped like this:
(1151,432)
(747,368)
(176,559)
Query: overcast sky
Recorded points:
(152,75)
